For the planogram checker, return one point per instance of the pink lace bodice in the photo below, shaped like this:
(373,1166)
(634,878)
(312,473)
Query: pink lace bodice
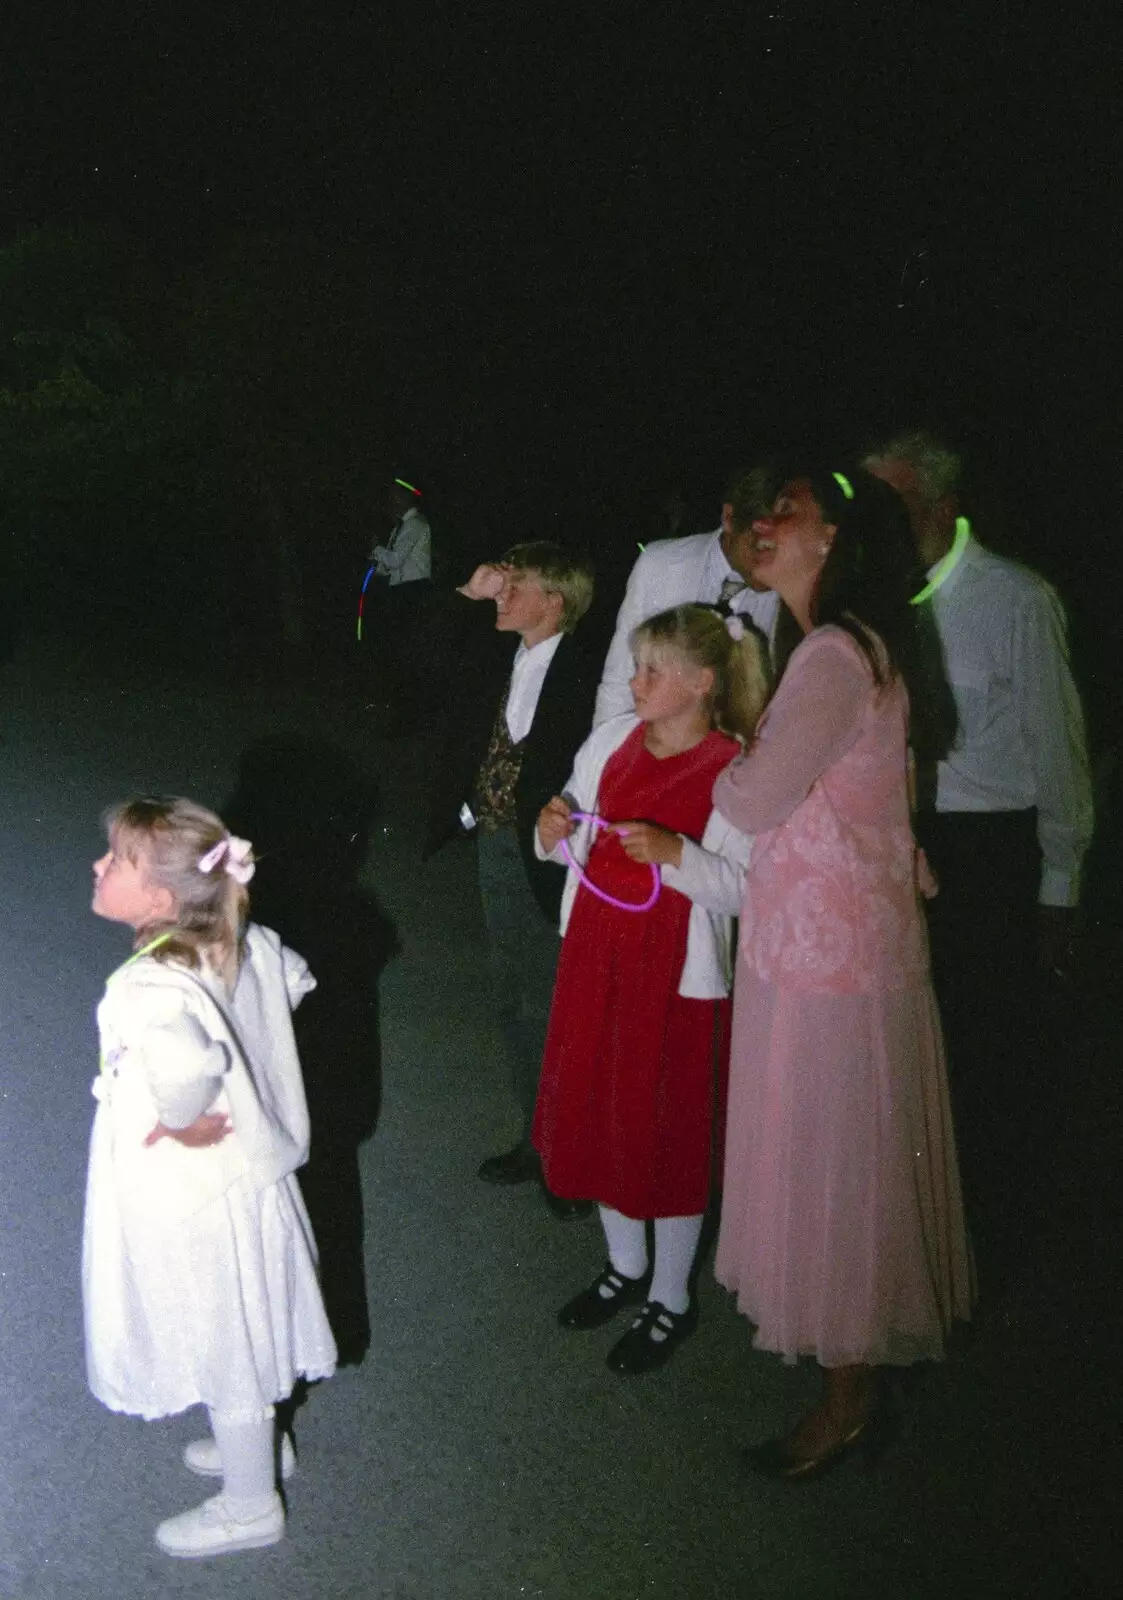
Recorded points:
(832,900)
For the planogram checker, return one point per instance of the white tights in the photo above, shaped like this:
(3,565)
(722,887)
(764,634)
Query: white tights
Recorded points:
(676,1243)
(246,1450)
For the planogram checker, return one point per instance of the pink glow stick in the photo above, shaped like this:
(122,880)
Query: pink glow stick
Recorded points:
(602,894)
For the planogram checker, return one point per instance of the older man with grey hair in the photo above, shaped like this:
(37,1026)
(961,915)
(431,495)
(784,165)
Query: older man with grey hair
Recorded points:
(1011,816)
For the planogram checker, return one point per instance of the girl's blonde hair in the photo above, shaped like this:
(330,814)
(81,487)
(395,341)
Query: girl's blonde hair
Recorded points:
(172,835)
(742,675)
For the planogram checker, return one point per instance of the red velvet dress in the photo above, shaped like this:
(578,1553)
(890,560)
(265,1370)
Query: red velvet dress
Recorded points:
(633,1074)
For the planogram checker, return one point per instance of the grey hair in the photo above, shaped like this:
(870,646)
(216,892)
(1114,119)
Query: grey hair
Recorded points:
(938,468)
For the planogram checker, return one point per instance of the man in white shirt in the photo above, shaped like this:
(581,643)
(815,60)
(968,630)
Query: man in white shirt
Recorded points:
(402,570)
(512,724)
(711,568)
(407,555)
(1012,818)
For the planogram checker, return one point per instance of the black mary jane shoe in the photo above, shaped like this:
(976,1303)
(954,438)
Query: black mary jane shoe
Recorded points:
(773,1459)
(566,1210)
(520,1165)
(604,1297)
(651,1340)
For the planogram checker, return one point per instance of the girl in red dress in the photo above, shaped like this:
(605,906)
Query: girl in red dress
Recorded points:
(637,1048)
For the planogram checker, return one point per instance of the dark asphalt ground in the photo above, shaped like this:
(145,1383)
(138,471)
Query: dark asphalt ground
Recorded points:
(474,1452)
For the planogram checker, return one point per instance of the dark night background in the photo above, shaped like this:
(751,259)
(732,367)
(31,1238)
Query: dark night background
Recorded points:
(551,262)
(555,263)
(255,263)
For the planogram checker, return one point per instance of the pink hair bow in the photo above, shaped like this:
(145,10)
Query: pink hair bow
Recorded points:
(235,854)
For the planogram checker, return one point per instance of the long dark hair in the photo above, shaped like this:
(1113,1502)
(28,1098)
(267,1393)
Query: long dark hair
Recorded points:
(870,575)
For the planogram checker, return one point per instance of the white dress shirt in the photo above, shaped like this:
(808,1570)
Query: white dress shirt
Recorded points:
(527,677)
(1020,741)
(672,572)
(408,556)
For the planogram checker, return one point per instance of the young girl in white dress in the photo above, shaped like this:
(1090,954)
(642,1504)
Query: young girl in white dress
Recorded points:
(199,1266)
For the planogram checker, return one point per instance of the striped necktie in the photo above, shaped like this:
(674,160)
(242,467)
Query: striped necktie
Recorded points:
(730,589)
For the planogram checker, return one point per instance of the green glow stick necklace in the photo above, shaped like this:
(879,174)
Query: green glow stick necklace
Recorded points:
(136,955)
(944,568)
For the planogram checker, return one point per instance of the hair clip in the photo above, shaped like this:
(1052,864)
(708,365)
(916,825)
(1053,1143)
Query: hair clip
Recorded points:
(844,484)
(237,856)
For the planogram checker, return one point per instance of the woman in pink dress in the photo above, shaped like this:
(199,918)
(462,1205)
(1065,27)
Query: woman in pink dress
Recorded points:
(842,1226)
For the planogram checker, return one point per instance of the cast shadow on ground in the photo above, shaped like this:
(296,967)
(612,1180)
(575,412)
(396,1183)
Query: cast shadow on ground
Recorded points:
(309,811)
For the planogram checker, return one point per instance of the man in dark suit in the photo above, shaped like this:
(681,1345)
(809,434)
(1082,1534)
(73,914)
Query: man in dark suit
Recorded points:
(513,723)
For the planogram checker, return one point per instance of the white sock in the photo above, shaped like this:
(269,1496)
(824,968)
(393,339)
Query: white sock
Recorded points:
(627,1242)
(246,1451)
(676,1243)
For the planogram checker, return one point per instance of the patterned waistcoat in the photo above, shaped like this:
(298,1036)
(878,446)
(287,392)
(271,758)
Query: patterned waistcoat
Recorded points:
(499,773)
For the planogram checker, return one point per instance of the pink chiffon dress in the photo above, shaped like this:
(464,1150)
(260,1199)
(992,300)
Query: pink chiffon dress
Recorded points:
(842,1228)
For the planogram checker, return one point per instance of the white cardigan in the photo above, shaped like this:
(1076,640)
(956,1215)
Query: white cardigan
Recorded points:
(712,874)
(173,1044)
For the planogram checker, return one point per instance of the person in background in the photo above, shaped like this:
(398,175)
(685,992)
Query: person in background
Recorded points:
(1005,832)
(402,582)
(513,720)
(407,556)
(705,568)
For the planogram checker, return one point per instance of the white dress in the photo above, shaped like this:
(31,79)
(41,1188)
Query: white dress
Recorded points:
(199,1266)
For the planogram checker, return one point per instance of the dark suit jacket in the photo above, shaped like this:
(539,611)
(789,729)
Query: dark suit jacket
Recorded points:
(477,674)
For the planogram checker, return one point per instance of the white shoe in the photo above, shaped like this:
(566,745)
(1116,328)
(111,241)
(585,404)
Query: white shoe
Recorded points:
(202,1456)
(210,1530)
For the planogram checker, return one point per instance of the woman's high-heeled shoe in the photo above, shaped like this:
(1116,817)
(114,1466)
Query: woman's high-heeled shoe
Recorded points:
(773,1459)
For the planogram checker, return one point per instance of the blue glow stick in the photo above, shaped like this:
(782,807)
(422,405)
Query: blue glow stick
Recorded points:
(362,597)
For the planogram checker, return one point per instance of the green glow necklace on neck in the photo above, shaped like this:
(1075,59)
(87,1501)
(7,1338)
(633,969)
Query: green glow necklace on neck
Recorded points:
(944,568)
(153,944)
